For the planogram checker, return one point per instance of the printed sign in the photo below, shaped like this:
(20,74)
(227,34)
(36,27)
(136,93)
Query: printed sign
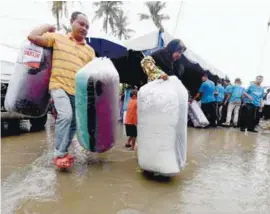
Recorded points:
(32,56)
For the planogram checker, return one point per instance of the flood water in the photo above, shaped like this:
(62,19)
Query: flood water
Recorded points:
(227,172)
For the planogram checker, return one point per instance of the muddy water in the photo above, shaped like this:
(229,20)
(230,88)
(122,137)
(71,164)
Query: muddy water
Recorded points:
(227,172)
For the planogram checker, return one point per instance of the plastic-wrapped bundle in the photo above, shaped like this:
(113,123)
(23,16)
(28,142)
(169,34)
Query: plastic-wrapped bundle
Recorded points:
(162,126)
(27,92)
(96,98)
(196,115)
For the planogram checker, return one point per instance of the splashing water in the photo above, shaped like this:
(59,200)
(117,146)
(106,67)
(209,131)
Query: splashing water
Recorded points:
(36,182)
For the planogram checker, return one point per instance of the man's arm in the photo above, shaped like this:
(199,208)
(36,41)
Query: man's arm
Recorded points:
(201,90)
(216,91)
(37,37)
(196,97)
(262,103)
(248,96)
(227,98)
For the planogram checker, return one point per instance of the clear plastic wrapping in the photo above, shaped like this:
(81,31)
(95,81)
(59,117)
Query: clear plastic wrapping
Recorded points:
(27,92)
(196,115)
(97,104)
(162,126)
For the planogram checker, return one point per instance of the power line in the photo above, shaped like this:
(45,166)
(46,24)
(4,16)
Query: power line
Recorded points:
(9,46)
(20,19)
(263,48)
(179,12)
(268,24)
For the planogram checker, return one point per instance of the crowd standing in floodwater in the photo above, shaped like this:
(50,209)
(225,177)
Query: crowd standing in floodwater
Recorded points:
(214,99)
(232,105)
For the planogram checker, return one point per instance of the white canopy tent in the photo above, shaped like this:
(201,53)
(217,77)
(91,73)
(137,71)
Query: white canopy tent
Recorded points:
(8,57)
(150,41)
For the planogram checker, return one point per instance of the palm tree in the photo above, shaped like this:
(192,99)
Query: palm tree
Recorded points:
(58,8)
(109,10)
(155,8)
(66,28)
(121,24)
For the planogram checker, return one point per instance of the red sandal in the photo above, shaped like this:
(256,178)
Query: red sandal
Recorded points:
(70,157)
(63,162)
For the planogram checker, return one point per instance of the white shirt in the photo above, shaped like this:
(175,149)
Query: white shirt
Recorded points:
(267,101)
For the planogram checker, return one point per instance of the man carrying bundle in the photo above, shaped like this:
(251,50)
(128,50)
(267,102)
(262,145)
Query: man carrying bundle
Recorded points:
(70,53)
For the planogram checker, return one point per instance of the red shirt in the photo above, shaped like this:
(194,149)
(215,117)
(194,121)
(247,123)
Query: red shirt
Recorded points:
(131,115)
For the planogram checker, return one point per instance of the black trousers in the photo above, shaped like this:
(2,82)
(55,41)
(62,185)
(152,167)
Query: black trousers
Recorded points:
(266,112)
(219,114)
(224,113)
(209,109)
(240,115)
(249,116)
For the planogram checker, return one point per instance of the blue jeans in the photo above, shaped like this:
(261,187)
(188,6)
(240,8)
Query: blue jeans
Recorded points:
(65,127)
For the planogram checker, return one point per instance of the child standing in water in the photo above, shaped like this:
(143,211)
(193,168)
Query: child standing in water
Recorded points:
(153,73)
(131,120)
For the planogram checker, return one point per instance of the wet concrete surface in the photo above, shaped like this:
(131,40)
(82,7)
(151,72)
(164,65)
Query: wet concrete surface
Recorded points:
(227,171)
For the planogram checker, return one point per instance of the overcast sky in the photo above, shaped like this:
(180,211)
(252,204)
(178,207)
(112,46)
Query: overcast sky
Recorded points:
(230,35)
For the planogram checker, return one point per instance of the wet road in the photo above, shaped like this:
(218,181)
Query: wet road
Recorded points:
(227,172)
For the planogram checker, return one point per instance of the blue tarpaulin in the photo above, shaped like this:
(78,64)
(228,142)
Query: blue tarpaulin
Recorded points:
(159,46)
(106,48)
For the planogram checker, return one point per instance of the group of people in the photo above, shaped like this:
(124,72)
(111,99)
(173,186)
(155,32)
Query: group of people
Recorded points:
(223,104)
(71,53)
(232,105)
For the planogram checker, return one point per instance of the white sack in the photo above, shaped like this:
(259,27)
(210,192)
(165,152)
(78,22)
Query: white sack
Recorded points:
(162,126)
(196,115)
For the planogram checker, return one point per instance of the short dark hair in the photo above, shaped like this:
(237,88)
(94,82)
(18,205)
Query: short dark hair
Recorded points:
(259,76)
(133,92)
(75,14)
(205,74)
(237,80)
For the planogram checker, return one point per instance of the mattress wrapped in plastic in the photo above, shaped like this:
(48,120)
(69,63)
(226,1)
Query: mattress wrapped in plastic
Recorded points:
(196,115)
(162,126)
(27,92)
(96,100)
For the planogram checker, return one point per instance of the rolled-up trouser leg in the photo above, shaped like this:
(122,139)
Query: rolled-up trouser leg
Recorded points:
(63,122)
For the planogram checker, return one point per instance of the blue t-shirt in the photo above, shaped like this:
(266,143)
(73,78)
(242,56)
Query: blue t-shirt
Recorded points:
(221,93)
(236,92)
(207,89)
(227,89)
(256,92)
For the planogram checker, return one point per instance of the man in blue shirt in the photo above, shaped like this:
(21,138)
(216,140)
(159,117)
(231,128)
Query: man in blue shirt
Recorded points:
(206,92)
(234,98)
(219,95)
(227,85)
(252,103)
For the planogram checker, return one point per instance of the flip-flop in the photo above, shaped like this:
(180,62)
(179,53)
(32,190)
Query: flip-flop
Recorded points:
(70,157)
(63,163)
